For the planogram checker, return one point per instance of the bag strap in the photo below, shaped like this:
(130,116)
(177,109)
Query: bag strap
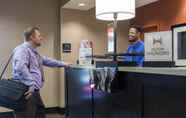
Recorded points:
(4,69)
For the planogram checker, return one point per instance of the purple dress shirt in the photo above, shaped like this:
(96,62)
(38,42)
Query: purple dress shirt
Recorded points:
(27,66)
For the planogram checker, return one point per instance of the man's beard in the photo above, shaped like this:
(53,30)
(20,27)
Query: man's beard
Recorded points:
(132,41)
(38,45)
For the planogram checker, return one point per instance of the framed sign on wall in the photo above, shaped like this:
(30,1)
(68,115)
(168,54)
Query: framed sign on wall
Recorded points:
(66,47)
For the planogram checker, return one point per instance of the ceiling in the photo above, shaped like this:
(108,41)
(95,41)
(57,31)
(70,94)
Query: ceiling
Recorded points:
(73,4)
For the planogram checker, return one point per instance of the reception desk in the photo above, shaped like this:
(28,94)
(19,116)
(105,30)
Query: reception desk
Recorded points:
(137,92)
(175,71)
(162,90)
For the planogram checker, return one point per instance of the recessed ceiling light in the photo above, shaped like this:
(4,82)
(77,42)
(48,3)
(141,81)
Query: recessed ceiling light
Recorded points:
(81,4)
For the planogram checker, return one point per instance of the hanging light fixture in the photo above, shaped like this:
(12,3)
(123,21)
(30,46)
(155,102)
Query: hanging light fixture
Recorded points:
(115,10)
(105,9)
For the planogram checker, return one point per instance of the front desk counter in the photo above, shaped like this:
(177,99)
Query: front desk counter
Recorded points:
(137,92)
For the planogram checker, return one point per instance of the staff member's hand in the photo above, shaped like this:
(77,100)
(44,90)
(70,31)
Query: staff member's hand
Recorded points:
(67,65)
(28,94)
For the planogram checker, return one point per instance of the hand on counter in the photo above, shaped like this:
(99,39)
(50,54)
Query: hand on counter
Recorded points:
(28,94)
(67,65)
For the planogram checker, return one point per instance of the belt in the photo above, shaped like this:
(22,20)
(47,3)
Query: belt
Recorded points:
(36,90)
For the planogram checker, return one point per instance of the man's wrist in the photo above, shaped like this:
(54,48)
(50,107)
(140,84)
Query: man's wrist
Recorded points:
(31,89)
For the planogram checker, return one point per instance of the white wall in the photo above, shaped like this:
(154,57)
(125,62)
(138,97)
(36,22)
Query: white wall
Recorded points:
(15,16)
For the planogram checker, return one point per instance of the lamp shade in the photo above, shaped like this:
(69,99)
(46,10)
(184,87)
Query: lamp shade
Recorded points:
(105,9)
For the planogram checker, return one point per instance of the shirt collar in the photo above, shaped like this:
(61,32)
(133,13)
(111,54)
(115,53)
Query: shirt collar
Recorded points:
(137,42)
(29,45)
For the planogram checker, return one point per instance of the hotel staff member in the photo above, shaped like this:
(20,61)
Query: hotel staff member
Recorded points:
(136,46)
(28,69)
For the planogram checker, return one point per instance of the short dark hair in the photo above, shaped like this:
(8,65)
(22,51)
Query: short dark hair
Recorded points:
(29,31)
(138,28)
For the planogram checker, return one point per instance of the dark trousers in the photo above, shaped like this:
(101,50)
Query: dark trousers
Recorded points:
(34,108)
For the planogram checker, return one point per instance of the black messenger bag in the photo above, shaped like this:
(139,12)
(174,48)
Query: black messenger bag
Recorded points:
(12,92)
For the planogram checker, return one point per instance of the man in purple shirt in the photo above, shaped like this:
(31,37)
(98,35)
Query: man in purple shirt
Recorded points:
(28,69)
